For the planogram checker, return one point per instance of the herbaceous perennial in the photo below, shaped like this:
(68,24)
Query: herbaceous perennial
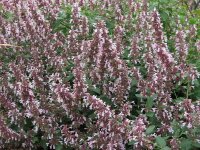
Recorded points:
(75,89)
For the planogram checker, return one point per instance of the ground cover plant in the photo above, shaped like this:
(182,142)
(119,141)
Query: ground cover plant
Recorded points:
(108,74)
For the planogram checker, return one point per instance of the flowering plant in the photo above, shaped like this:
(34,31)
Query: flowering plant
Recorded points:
(95,75)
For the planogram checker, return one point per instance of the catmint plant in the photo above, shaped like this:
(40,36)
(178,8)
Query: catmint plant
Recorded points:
(73,80)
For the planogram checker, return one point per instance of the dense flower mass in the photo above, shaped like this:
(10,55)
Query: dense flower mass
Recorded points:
(93,75)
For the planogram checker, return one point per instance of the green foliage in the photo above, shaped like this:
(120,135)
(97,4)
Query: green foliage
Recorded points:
(6,14)
(63,22)
(160,141)
(150,129)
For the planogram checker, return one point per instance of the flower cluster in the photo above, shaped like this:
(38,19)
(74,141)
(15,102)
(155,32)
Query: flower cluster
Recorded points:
(77,90)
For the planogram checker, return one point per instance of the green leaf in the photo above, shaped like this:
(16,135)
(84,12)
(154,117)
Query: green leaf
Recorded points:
(106,99)
(164,16)
(192,21)
(166,148)
(125,54)
(196,144)
(163,1)
(43,144)
(70,77)
(150,129)
(139,96)
(186,144)
(160,141)
(95,90)
(8,16)
(150,114)
(59,147)
(149,103)
(133,82)
(131,142)
(69,66)
(177,133)
(89,82)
